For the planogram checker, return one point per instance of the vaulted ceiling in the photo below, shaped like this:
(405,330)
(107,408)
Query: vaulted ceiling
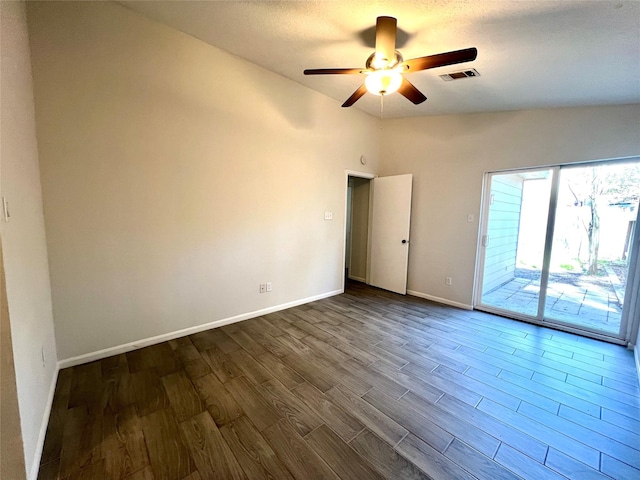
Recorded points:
(531,54)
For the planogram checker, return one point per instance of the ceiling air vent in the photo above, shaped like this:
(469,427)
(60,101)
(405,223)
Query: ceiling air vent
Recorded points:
(447,77)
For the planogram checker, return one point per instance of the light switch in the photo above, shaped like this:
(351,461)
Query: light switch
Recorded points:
(328,215)
(471,217)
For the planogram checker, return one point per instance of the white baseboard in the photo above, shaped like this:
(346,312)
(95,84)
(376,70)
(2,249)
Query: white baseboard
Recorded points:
(127,347)
(440,300)
(44,423)
(357,279)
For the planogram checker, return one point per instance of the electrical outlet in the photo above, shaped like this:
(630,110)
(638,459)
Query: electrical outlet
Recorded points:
(263,287)
(448,281)
(269,287)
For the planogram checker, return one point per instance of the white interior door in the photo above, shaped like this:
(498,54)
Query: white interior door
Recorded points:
(390,222)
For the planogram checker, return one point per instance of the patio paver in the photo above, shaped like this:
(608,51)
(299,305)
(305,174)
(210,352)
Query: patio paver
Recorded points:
(589,305)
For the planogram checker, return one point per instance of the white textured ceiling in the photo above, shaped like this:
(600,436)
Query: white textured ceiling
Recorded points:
(531,54)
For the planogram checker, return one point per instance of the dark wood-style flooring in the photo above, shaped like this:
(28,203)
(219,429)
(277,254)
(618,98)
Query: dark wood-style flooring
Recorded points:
(364,385)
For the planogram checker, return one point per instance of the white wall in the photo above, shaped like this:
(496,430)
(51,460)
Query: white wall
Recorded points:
(448,156)
(177,178)
(23,238)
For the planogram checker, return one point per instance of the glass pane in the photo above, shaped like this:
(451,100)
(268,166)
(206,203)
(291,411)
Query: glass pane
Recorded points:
(514,246)
(595,217)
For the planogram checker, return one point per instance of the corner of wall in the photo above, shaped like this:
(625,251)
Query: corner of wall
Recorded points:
(44,424)
(25,257)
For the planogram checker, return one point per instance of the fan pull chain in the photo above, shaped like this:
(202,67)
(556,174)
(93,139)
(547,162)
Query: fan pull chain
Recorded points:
(381,106)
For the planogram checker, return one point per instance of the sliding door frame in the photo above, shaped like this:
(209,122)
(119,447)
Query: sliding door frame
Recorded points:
(548,241)
(631,311)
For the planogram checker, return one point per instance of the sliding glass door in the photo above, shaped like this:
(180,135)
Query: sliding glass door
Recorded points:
(555,245)
(513,243)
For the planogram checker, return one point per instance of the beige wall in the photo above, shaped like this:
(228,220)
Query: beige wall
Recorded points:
(23,238)
(448,156)
(11,450)
(177,178)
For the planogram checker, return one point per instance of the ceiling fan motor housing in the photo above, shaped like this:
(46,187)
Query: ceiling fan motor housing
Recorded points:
(378,62)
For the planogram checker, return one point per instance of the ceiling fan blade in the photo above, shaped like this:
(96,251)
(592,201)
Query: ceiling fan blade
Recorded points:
(356,96)
(409,91)
(440,60)
(333,71)
(386,28)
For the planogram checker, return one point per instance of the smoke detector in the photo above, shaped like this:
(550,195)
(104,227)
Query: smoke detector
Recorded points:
(447,77)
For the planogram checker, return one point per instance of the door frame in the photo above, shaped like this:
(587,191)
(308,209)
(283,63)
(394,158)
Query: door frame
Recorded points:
(357,174)
(482,230)
(630,321)
(631,315)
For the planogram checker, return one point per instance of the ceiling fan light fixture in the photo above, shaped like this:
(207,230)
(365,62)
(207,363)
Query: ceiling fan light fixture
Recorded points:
(383,82)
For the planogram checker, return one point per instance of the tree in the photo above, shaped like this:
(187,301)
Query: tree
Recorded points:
(602,185)
(593,229)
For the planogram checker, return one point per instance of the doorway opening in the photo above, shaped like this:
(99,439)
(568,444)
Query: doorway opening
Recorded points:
(556,246)
(377,227)
(357,229)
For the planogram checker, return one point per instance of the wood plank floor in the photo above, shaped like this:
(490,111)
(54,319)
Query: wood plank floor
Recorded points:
(363,385)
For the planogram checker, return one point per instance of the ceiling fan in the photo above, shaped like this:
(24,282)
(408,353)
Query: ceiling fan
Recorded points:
(385,67)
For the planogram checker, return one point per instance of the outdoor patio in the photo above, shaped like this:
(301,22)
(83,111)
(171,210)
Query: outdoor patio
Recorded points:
(574,298)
